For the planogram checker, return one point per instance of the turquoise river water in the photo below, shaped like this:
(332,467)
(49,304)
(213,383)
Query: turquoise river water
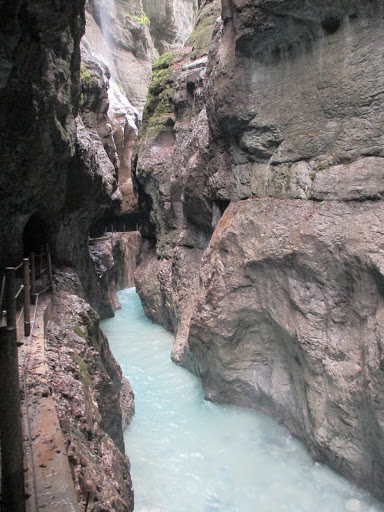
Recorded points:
(190,455)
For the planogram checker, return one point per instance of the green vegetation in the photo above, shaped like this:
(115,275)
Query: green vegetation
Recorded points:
(201,37)
(82,332)
(288,182)
(160,92)
(164,61)
(85,76)
(86,81)
(143,19)
(84,374)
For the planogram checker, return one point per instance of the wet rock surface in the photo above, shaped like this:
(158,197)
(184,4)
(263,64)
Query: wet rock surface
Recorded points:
(288,320)
(115,32)
(130,34)
(114,257)
(60,171)
(171,172)
(277,305)
(88,391)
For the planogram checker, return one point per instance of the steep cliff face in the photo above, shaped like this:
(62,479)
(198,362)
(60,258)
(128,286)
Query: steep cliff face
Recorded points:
(87,387)
(171,22)
(118,32)
(39,101)
(58,179)
(129,34)
(172,172)
(281,309)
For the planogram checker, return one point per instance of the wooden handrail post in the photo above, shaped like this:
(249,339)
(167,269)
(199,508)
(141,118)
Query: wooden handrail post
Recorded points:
(41,260)
(12,469)
(27,297)
(10,295)
(33,278)
(50,265)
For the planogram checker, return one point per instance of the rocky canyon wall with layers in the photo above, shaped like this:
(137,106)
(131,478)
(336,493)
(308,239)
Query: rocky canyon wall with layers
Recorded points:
(261,168)
(129,35)
(94,402)
(58,180)
(123,38)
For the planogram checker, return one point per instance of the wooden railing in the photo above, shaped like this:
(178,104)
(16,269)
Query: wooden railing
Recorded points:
(22,279)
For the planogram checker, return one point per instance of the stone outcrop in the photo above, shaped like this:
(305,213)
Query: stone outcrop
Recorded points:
(114,257)
(111,121)
(171,173)
(171,22)
(124,121)
(289,319)
(87,388)
(275,110)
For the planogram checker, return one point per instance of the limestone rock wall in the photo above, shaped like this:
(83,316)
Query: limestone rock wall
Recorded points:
(271,114)
(56,167)
(58,178)
(171,22)
(39,101)
(130,34)
(115,32)
(87,388)
(115,259)
(171,173)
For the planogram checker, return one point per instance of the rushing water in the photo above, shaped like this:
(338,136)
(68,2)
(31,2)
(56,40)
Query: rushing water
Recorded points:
(190,455)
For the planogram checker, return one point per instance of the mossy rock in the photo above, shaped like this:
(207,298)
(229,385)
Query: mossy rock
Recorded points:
(201,36)
(80,331)
(84,374)
(164,61)
(85,76)
(160,98)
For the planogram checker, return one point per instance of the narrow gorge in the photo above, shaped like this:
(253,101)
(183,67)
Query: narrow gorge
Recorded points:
(225,157)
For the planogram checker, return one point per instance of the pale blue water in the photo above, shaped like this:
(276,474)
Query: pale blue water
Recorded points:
(189,455)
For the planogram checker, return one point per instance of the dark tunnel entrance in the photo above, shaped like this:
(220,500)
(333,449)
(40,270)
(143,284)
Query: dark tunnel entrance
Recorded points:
(35,236)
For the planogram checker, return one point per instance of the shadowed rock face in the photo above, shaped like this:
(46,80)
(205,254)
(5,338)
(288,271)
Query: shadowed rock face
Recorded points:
(39,87)
(277,307)
(292,99)
(54,167)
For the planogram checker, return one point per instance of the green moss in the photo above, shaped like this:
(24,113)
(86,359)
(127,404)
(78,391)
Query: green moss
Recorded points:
(82,332)
(86,82)
(84,374)
(288,182)
(143,19)
(85,76)
(164,61)
(201,36)
(160,92)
